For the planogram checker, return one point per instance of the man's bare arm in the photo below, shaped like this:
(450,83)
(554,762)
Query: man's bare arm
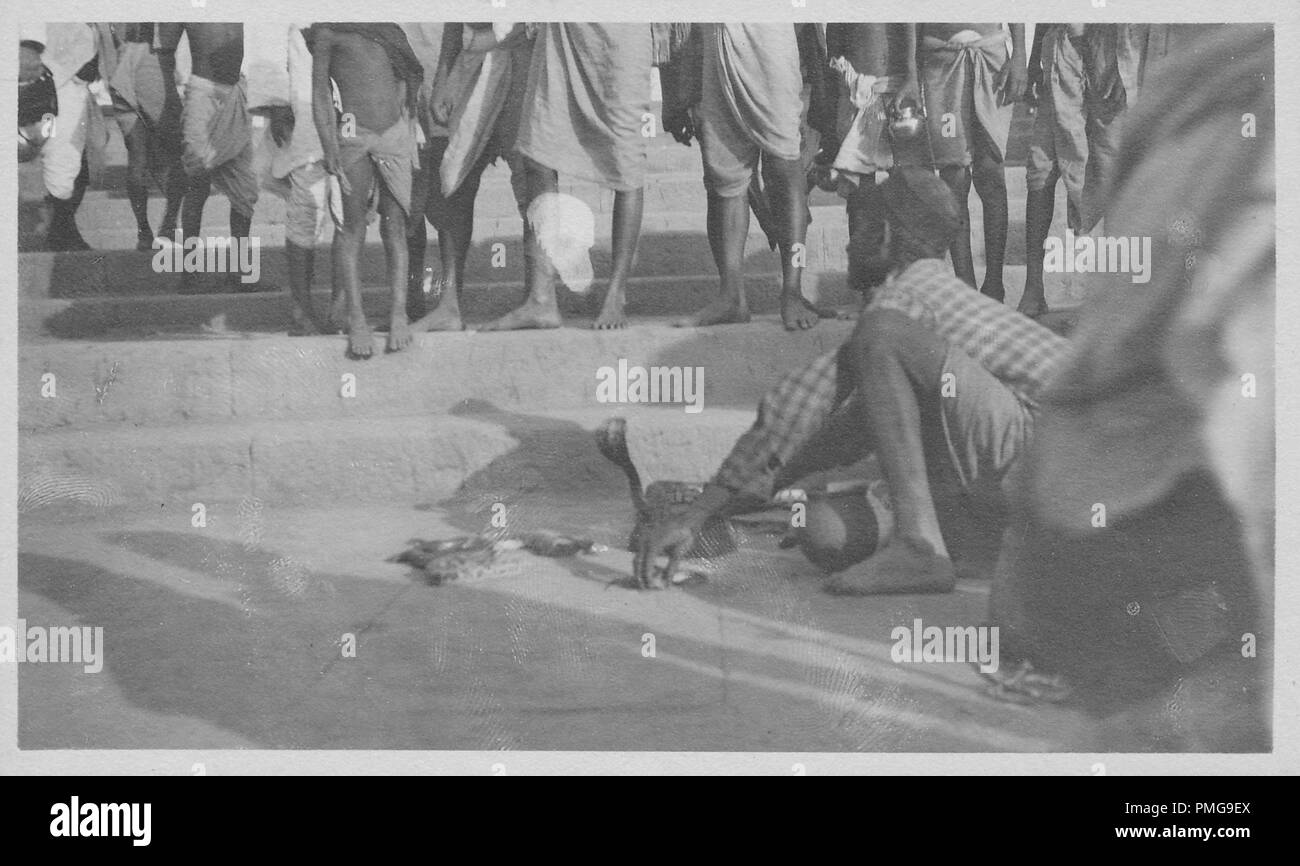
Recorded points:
(322,98)
(911,88)
(1013,77)
(1017,40)
(167,37)
(1034,85)
(453,38)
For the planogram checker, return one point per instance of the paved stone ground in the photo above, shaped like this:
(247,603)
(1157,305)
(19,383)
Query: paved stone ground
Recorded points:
(229,636)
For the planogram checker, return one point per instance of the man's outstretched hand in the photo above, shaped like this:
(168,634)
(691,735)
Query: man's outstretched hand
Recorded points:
(673,535)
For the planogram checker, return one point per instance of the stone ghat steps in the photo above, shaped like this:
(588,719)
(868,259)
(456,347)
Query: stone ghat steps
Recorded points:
(140,384)
(674,243)
(192,315)
(291,420)
(476,457)
(650,298)
(671,245)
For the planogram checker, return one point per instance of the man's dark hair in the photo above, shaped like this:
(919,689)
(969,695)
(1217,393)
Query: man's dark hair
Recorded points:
(923,221)
(922,214)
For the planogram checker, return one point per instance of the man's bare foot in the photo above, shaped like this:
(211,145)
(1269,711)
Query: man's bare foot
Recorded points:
(361,343)
(799,314)
(1032,305)
(444,318)
(723,311)
(610,320)
(399,332)
(996,291)
(899,566)
(529,315)
(612,316)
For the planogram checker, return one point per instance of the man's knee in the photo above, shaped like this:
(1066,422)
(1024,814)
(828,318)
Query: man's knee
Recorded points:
(729,167)
(782,171)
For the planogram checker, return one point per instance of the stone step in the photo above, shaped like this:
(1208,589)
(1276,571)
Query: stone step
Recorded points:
(147,316)
(146,383)
(151,316)
(672,244)
(475,459)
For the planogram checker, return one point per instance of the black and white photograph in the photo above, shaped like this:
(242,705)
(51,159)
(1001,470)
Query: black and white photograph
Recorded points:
(797,380)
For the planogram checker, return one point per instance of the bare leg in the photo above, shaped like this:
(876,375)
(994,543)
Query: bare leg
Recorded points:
(392,230)
(417,232)
(728,224)
(300,276)
(628,207)
(417,243)
(789,190)
(539,310)
(1039,205)
(991,185)
(455,236)
(519,185)
(958,179)
(336,316)
(175,183)
(196,196)
(336,319)
(137,183)
(894,360)
(241,227)
(346,254)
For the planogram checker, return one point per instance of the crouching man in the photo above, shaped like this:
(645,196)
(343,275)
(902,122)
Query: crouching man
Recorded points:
(935,378)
